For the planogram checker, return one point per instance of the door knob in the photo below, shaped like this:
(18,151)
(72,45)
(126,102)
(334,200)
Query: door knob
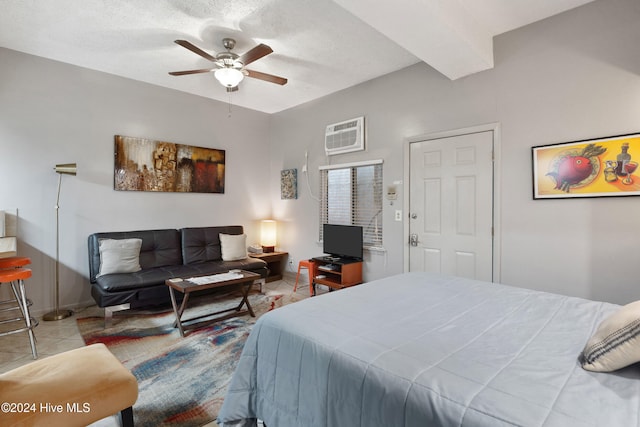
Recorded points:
(413,239)
(414,216)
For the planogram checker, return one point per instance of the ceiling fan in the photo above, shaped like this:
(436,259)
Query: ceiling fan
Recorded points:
(229,66)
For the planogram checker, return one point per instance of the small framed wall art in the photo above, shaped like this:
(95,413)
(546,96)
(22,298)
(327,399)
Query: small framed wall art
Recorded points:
(289,184)
(588,168)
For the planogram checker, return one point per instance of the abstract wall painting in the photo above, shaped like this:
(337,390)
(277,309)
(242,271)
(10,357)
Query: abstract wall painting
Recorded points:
(588,168)
(289,184)
(150,165)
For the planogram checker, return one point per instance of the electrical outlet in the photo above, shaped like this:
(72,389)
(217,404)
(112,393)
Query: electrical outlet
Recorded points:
(398,215)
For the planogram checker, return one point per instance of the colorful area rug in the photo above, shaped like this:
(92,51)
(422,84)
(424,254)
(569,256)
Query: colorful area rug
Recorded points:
(181,381)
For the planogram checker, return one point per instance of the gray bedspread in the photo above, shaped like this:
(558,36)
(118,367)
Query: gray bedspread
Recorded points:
(424,350)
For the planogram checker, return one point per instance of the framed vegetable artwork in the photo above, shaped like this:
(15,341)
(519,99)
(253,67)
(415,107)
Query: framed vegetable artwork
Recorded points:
(588,168)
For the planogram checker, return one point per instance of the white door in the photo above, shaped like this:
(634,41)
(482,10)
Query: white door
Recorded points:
(451,206)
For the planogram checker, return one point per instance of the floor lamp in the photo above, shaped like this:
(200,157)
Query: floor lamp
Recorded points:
(57,314)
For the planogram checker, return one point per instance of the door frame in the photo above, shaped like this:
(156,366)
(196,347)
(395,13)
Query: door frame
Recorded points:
(495,128)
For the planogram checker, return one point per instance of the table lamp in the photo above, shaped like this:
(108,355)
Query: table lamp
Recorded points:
(268,235)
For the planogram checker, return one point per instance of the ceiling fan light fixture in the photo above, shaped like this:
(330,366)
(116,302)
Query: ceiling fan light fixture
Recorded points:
(229,66)
(229,77)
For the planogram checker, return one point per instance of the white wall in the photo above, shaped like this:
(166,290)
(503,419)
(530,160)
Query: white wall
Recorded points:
(570,77)
(54,113)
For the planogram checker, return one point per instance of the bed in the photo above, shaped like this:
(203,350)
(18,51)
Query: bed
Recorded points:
(420,349)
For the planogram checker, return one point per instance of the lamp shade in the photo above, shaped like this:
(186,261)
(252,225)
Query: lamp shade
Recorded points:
(229,77)
(66,168)
(268,235)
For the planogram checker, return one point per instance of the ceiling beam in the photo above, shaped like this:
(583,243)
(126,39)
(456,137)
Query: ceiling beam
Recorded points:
(441,33)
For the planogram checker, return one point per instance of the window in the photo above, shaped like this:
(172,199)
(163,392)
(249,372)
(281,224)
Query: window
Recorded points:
(351,194)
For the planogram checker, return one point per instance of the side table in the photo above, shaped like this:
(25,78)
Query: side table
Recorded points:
(275,263)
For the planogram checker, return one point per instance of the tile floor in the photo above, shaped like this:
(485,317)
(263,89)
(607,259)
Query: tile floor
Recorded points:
(57,336)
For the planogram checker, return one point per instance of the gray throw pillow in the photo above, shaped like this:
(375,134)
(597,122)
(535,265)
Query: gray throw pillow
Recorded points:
(119,256)
(234,246)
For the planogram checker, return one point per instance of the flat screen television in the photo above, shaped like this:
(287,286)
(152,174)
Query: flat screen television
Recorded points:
(344,241)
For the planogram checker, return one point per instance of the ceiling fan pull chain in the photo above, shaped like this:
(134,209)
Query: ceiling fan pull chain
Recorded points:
(229,116)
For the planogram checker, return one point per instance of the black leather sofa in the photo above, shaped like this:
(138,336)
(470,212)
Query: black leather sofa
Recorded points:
(164,254)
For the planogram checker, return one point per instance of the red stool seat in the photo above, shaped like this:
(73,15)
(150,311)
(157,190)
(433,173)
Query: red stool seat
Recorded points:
(14,261)
(14,274)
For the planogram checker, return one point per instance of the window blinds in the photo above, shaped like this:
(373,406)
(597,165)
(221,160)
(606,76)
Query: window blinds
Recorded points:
(351,194)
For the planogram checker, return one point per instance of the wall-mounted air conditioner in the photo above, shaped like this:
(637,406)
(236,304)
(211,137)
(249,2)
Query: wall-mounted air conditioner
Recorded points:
(344,137)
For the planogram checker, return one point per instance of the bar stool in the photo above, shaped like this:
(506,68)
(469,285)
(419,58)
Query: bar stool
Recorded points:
(309,265)
(12,272)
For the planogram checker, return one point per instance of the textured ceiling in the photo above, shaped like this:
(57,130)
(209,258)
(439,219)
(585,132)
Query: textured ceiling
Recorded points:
(321,46)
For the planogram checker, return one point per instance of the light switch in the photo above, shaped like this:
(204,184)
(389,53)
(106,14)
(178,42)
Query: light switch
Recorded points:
(398,215)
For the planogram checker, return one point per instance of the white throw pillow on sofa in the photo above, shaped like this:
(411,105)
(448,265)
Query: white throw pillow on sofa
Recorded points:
(234,246)
(616,342)
(119,256)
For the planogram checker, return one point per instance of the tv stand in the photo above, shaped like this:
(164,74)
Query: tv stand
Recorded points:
(338,272)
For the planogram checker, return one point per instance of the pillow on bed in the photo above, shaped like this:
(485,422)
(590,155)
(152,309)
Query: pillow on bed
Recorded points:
(616,342)
(119,256)
(234,246)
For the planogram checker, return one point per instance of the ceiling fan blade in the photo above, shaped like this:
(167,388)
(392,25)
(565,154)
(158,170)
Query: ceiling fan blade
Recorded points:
(255,54)
(266,77)
(195,49)
(182,73)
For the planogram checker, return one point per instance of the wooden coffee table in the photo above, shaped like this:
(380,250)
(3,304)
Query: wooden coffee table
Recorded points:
(241,279)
